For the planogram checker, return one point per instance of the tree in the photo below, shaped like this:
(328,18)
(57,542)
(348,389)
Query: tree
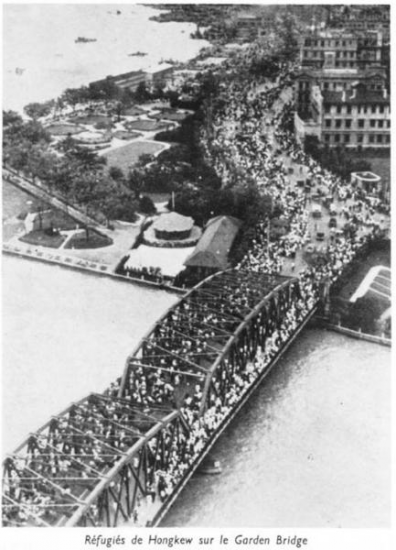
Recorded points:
(40,162)
(39,110)
(73,96)
(141,94)
(116,173)
(135,181)
(11,118)
(88,160)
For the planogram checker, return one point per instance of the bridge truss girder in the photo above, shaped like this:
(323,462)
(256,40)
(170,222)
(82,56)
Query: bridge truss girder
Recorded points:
(103,459)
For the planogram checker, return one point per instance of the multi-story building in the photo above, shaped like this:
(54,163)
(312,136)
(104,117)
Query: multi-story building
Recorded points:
(161,74)
(343,80)
(353,118)
(348,50)
(362,18)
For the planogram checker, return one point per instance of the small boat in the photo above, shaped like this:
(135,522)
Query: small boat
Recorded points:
(210,467)
(137,54)
(19,71)
(83,40)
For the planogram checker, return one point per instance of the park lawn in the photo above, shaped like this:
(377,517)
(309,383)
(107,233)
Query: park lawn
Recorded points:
(93,240)
(64,129)
(93,119)
(147,125)
(123,134)
(39,237)
(16,205)
(126,156)
(133,111)
(15,201)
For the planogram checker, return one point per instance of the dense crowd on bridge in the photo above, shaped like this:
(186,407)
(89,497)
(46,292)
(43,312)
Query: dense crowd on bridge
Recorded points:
(236,143)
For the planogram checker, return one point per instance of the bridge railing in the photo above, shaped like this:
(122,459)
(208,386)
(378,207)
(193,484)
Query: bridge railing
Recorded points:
(124,455)
(92,464)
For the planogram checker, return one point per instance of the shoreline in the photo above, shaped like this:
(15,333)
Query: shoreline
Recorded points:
(79,67)
(94,269)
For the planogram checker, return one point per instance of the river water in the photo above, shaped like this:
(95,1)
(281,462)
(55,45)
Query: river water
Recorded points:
(65,334)
(310,449)
(40,39)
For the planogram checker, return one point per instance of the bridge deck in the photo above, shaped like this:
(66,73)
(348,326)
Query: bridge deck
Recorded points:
(118,455)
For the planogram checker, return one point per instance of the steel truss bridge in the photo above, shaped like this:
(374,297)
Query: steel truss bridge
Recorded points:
(124,455)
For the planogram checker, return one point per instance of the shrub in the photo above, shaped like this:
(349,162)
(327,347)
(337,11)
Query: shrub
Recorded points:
(146,205)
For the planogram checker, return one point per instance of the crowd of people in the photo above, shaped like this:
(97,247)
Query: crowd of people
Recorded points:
(174,365)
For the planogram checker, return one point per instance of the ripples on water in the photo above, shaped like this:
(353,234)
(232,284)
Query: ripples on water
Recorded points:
(310,449)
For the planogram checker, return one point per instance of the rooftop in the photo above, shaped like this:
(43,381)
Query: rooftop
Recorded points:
(173,222)
(158,68)
(214,246)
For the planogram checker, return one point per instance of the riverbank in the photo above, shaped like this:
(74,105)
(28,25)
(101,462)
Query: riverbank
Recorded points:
(357,335)
(84,267)
(52,61)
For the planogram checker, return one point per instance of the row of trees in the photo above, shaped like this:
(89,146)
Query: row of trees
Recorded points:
(116,99)
(338,159)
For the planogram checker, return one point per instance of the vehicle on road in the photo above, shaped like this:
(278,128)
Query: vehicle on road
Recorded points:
(316,211)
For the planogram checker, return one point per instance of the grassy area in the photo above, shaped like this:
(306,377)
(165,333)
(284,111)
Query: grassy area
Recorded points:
(93,119)
(133,111)
(64,129)
(43,238)
(146,125)
(16,202)
(123,134)
(125,157)
(91,240)
(16,205)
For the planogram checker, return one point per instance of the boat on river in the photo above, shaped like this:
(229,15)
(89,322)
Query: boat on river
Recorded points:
(83,40)
(137,54)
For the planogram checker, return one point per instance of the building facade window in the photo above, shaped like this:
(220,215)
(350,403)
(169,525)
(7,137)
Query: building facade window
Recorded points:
(361,123)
